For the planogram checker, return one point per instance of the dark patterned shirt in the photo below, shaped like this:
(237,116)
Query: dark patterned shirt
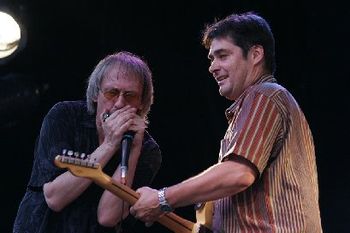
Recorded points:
(267,128)
(69,126)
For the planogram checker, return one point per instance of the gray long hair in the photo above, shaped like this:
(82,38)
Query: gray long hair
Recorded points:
(127,64)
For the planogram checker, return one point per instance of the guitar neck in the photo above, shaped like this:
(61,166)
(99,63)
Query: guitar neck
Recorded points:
(170,220)
(93,171)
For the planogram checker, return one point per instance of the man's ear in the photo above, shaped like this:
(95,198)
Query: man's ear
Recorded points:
(257,53)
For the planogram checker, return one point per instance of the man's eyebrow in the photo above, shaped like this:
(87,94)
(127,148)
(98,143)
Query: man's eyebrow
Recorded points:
(216,52)
(112,89)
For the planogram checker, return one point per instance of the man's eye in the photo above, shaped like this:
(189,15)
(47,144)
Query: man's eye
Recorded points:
(111,94)
(114,93)
(129,94)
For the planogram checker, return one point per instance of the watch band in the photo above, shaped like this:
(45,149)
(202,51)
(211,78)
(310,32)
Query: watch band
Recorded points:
(163,203)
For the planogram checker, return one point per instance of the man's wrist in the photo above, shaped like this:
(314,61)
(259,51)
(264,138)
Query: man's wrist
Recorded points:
(163,203)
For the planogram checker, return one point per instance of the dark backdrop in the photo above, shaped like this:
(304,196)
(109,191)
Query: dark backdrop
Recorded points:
(65,40)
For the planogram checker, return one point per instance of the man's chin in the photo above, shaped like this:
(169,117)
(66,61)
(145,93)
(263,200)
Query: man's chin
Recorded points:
(221,92)
(225,94)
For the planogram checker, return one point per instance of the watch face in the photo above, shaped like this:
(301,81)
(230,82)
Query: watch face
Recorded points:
(165,208)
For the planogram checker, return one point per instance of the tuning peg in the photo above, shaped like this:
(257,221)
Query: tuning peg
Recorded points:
(64,152)
(199,206)
(70,153)
(82,155)
(76,154)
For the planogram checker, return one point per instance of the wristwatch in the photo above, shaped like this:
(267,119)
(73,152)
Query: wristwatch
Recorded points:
(164,205)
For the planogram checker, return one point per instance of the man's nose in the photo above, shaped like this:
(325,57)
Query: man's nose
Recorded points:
(120,102)
(213,67)
(214,70)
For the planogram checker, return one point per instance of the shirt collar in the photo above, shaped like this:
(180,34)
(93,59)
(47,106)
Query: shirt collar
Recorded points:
(264,78)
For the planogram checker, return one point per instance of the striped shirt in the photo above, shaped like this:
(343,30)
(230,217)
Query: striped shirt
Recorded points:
(267,127)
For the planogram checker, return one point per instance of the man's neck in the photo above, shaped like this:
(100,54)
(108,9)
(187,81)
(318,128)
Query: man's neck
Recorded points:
(254,76)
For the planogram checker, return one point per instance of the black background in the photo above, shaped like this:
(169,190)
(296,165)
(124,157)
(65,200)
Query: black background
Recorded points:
(65,40)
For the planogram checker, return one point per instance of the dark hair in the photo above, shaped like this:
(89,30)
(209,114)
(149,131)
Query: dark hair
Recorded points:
(127,64)
(245,30)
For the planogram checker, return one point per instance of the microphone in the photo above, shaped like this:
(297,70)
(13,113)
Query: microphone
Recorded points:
(126,145)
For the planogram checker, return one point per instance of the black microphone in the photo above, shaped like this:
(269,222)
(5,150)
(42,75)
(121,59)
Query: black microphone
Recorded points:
(126,145)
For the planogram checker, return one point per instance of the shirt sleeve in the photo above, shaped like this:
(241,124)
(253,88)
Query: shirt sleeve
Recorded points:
(56,134)
(254,131)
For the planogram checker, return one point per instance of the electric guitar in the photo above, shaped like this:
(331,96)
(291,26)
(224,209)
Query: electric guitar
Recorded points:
(93,171)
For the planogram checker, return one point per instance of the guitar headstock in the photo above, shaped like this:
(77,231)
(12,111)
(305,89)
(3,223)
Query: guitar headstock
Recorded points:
(204,216)
(78,164)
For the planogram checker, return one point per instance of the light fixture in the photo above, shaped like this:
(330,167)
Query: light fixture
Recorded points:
(10,36)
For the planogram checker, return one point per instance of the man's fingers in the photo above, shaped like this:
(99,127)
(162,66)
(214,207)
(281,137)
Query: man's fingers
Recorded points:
(132,211)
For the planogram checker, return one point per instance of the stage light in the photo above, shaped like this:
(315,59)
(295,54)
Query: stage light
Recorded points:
(10,35)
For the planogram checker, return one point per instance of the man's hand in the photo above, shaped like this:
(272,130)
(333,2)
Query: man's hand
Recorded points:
(147,207)
(118,123)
